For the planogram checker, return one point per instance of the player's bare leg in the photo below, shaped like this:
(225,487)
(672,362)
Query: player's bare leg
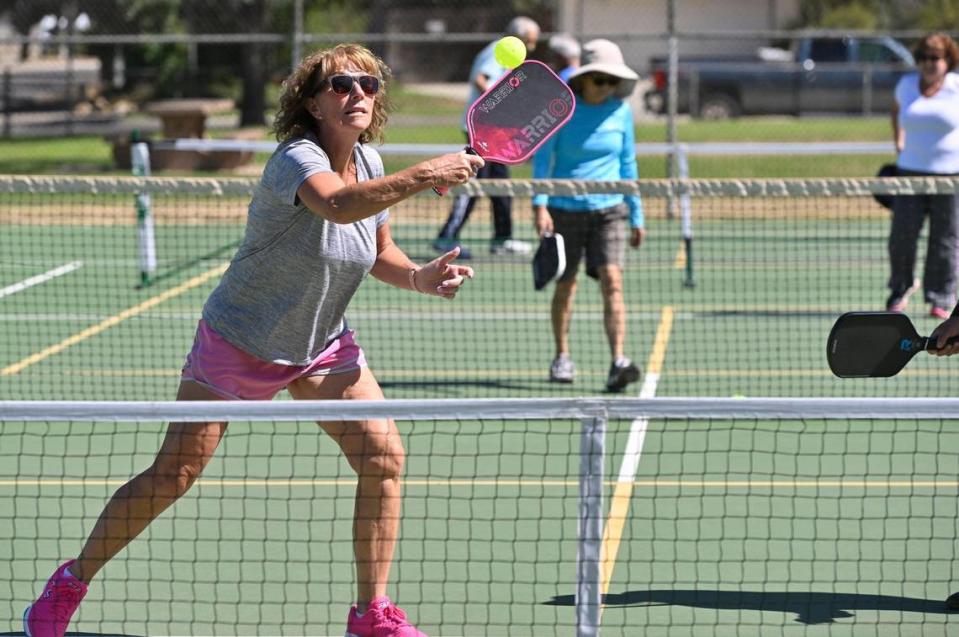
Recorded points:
(375,452)
(185,452)
(622,370)
(562,370)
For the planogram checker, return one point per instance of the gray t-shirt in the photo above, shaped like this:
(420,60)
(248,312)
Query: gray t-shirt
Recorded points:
(285,293)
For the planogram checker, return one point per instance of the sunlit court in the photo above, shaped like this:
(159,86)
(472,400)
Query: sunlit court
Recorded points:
(554,317)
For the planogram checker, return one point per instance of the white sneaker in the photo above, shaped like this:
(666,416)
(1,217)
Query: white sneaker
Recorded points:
(562,369)
(511,246)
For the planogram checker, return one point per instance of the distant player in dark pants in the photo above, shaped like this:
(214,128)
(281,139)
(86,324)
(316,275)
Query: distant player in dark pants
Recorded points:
(925,123)
(483,74)
(502,216)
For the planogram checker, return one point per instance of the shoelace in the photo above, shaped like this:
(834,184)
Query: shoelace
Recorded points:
(66,596)
(390,617)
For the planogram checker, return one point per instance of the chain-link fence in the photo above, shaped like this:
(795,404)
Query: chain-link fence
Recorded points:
(104,58)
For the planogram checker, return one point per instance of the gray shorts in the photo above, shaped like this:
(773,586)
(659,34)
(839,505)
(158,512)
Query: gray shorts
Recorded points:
(599,234)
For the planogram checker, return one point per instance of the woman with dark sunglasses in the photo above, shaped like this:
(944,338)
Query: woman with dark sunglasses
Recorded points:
(596,143)
(925,125)
(318,223)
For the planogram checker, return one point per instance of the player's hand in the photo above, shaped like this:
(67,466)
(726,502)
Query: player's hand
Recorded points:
(441,277)
(637,236)
(454,169)
(946,330)
(542,221)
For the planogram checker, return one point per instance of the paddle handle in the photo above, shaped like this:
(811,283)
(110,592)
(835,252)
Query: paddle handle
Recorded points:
(442,190)
(929,344)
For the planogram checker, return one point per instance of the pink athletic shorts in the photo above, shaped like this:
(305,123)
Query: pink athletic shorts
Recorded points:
(231,373)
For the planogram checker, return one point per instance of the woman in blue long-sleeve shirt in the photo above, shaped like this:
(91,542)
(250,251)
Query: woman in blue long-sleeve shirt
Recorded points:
(597,143)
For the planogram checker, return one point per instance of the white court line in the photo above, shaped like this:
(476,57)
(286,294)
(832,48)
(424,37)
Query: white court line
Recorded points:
(619,506)
(637,433)
(40,278)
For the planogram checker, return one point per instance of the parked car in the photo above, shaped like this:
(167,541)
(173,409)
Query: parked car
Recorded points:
(818,75)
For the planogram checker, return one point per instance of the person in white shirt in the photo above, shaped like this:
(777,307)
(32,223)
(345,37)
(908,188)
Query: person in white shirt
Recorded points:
(925,124)
(484,74)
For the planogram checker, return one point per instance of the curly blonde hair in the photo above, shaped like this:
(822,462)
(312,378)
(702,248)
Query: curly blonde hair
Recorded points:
(293,119)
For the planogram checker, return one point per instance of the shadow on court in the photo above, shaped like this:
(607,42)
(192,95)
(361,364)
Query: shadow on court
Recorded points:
(809,608)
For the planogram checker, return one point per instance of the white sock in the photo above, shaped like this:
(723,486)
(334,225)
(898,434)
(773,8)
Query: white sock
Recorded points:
(622,361)
(67,572)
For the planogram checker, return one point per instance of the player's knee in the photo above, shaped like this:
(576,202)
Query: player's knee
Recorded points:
(564,290)
(173,480)
(612,288)
(611,282)
(383,461)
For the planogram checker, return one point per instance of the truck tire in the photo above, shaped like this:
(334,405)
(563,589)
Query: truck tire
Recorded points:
(718,106)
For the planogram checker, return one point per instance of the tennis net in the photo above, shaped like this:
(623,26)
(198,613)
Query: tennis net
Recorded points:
(733,295)
(520,517)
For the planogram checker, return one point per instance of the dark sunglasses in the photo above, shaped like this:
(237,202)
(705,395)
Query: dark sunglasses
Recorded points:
(343,84)
(604,80)
(925,57)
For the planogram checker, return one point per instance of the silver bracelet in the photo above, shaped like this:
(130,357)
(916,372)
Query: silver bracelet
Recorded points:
(413,287)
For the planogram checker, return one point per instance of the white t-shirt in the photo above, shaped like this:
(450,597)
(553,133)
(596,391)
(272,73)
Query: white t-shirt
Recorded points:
(930,124)
(483,64)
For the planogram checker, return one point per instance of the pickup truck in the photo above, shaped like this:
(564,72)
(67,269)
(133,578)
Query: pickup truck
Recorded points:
(818,75)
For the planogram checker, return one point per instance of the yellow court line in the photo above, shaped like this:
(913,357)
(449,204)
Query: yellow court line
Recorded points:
(679,262)
(293,482)
(619,506)
(381,372)
(566,484)
(114,320)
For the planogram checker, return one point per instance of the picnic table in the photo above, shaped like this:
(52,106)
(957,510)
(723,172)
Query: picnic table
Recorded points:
(186,118)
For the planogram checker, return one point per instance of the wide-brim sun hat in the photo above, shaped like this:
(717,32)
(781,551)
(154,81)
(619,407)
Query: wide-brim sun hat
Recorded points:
(603,56)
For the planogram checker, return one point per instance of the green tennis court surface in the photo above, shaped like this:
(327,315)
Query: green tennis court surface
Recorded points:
(732,527)
(838,528)
(767,292)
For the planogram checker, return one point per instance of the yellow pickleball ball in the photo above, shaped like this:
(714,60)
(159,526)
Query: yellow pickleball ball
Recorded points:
(510,52)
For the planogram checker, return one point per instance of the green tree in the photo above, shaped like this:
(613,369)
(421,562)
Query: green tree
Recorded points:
(939,15)
(928,15)
(240,16)
(850,16)
(152,69)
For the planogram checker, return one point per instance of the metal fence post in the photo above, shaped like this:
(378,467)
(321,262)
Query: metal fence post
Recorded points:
(6,93)
(672,101)
(297,34)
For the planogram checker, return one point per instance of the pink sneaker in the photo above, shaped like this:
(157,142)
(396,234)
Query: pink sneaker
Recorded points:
(382,618)
(939,312)
(50,614)
(899,303)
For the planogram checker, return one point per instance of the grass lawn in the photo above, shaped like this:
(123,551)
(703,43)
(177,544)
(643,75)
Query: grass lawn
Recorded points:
(778,129)
(56,155)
